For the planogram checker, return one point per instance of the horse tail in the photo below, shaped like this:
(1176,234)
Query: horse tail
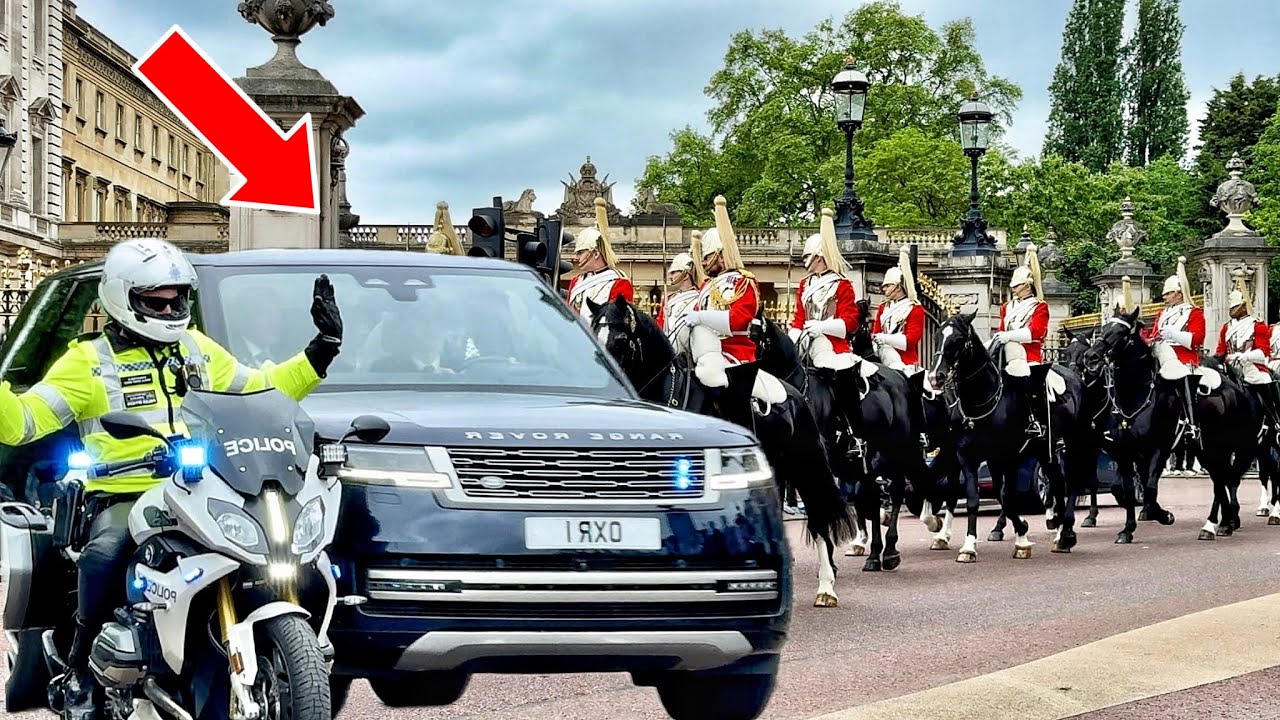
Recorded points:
(810,472)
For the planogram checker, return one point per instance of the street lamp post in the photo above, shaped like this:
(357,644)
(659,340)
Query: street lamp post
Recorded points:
(850,88)
(975,137)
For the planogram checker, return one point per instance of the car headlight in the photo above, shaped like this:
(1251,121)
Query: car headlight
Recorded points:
(390,465)
(308,529)
(737,468)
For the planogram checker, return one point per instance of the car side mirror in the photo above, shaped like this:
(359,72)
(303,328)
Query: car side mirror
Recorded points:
(368,429)
(127,426)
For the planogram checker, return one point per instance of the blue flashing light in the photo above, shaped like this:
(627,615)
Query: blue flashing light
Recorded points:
(191,456)
(139,583)
(79,460)
(193,575)
(337,571)
(683,469)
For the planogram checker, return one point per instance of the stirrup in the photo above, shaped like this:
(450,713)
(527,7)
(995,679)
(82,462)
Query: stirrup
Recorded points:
(1035,429)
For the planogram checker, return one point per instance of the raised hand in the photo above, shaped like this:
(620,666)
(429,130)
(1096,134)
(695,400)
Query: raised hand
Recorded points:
(324,311)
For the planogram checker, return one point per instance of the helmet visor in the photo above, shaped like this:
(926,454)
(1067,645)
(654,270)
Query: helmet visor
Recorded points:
(162,307)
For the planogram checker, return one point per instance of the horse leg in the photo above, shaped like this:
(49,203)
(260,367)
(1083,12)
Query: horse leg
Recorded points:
(826,596)
(969,551)
(1009,498)
(891,557)
(942,538)
(858,547)
(1275,491)
(932,522)
(997,532)
(1126,495)
(867,497)
(1065,499)
(1091,520)
(1151,500)
(1264,497)
(1210,529)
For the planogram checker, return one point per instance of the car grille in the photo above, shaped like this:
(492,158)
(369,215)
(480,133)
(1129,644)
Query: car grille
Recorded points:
(578,474)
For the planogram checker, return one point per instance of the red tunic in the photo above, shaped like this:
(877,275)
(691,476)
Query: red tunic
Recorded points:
(1193,325)
(742,311)
(913,328)
(621,288)
(1039,326)
(846,309)
(1261,341)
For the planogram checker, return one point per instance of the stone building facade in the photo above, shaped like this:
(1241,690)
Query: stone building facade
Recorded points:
(31,82)
(126,157)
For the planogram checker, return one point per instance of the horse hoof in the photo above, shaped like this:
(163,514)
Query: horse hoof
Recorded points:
(1144,516)
(995,536)
(1274,520)
(967,557)
(1064,543)
(1124,538)
(1057,547)
(1051,523)
(1089,522)
(1224,531)
(871,565)
(1167,519)
(1207,535)
(932,523)
(942,544)
(891,562)
(825,600)
(1022,553)
(856,551)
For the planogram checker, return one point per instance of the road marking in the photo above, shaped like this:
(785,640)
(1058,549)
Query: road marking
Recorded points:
(1185,652)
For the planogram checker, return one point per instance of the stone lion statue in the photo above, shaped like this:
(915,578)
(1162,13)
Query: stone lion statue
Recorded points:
(523,205)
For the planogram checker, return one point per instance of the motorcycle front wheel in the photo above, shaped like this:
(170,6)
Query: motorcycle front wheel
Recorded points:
(292,681)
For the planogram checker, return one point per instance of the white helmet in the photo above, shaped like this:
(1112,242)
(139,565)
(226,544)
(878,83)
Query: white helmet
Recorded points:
(1171,284)
(682,262)
(1235,300)
(147,264)
(1021,276)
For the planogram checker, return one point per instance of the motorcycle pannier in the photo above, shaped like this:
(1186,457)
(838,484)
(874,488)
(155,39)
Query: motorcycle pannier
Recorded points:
(31,571)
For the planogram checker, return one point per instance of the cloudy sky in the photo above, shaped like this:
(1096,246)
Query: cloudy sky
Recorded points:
(466,100)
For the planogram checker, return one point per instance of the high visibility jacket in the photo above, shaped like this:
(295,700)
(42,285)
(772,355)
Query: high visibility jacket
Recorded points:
(109,373)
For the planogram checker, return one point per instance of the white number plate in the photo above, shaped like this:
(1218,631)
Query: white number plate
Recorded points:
(573,533)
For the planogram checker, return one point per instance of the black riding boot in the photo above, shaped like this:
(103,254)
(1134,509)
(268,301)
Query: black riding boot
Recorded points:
(1189,407)
(72,695)
(1035,399)
(735,400)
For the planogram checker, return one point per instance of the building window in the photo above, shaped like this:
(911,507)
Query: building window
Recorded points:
(186,160)
(123,211)
(39,13)
(173,152)
(137,132)
(155,141)
(99,101)
(120,121)
(82,197)
(39,176)
(79,98)
(99,204)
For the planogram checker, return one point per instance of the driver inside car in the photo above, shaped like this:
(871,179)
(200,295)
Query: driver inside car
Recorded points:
(144,361)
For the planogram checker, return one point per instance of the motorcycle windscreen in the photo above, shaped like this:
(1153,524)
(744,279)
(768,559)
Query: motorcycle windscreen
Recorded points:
(252,439)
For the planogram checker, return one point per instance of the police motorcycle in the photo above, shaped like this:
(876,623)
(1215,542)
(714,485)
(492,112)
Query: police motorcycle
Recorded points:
(230,592)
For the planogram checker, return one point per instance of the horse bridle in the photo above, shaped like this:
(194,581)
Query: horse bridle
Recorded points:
(635,354)
(952,385)
(1107,375)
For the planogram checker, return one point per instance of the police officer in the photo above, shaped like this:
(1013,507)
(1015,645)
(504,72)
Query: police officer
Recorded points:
(144,361)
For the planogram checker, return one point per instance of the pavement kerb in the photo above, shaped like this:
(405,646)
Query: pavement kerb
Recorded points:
(1203,647)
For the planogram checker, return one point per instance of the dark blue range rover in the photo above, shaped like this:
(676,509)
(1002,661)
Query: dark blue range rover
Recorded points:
(527,513)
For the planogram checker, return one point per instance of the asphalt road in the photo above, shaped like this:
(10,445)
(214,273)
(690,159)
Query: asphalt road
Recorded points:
(934,621)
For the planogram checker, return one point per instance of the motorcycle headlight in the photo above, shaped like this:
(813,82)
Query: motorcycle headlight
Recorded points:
(308,529)
(389,465)
(737,468)
(237,526)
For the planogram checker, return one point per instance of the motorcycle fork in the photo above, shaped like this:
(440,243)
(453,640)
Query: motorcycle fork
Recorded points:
(227,618)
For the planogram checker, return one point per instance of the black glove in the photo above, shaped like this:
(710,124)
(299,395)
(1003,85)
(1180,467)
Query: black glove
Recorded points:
(324,312)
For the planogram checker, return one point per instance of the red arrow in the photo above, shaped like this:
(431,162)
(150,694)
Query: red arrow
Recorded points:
(277,169)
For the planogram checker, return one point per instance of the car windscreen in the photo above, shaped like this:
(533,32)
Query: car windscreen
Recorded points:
(413,327)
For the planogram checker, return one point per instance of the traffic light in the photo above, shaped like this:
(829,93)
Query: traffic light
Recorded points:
(488,231)
(553,237)
(531,251)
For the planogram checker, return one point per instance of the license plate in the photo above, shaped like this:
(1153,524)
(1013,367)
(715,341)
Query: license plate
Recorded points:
(575,533)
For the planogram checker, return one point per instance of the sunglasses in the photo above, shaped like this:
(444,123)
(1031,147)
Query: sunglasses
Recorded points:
(157,304)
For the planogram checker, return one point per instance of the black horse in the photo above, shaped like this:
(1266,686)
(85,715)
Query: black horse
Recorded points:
(990,412)
(1139,426)
(788,433)
(867,424)
(1266,449)
(1072,355)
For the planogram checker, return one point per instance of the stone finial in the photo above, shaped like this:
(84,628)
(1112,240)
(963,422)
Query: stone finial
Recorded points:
(287,21)
(1024,241)
(1235,197)
(1051,256)
(1126,233)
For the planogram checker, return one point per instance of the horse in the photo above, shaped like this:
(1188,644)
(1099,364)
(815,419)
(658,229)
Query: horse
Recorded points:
(1265,448)
(988,409)
(869,432)
(1138,427)
(788,433)
(1072,355)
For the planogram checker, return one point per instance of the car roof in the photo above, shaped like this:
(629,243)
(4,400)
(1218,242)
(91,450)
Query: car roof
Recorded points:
(335,257)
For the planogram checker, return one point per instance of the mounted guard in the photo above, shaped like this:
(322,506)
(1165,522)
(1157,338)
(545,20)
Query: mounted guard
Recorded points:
(899,323)
(1176,341)
(1245,342)
(714,329)
(826,305)
(444,239)
(1024,324)
(596,275)
(684,277)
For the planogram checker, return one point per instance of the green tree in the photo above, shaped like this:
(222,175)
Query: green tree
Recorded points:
(1157,90)
(1265,176)
(1234,120)
(775,151)
(1086,122)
